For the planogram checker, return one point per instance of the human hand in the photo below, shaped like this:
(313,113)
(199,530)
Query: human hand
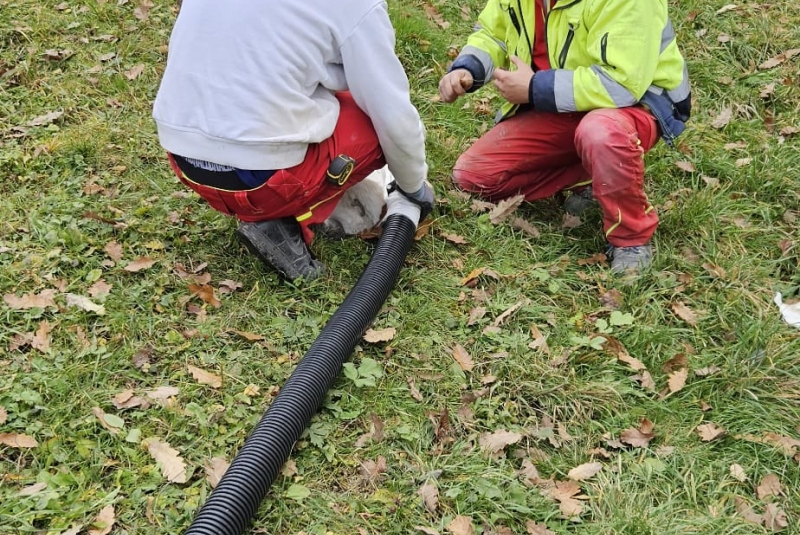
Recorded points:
(415,206)
(455,84)
(514,85)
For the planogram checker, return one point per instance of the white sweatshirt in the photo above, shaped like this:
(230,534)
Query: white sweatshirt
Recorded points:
(250,83)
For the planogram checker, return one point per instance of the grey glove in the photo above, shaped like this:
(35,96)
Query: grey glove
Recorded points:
(423,198)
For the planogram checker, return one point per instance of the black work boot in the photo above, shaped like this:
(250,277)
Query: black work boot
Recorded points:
(279,244)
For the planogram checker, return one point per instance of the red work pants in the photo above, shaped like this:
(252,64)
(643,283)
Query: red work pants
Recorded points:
(539,154)
(302,191)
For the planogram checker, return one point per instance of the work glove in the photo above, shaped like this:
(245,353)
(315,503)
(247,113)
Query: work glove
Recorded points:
(415,206)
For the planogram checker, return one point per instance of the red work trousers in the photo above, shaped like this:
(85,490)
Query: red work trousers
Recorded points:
(539,154)
(302,191)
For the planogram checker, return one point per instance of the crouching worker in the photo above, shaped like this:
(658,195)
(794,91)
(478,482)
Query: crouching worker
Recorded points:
(590,87)
(271,110)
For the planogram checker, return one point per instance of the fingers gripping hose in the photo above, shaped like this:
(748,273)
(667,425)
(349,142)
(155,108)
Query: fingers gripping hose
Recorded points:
(232,505)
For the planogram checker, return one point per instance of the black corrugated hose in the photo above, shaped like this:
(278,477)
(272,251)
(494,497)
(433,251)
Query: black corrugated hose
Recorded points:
(232,505)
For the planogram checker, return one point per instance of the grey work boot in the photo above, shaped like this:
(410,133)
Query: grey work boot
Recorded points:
(630,259)
(579,201)
(279,244)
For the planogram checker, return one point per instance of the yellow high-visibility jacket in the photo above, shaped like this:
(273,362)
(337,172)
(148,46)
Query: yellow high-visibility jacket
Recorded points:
(603,54)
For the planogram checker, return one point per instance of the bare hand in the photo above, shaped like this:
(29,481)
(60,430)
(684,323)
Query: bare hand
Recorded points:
(513,85)
(455,84)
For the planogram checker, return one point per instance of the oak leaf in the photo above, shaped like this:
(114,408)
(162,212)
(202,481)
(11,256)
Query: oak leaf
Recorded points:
(168,460)
(204,377)
(215,468)
(382,335)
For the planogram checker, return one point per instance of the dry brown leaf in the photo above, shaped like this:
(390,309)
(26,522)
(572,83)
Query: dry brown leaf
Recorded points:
(48,117)
(710,370)
(770,486)
(709,432)
(126,400)
(375,433)
(381,335)
(780,58)
(505,208)
(18,440)
(744,510)
(3,415)
(114,251)
(638,438)
(529,473)
(426,531)
(205,378)
(683,165)
(584,471)
(413,390)
(84,303)
(494,442)
(539,340)
(526,227)
(373,472)
(43,299)
(463,358)
(685,313)
(134,72)
(430,497)
(537,529)
(571,221)
(32,490)
(41,338)
(168,460)
(139,264)
(215,469)
(677,380)
(250,337)
(100,289)
(738,473)
(775,518)
(475,315)
(461,525)
(564,492)
(104,521)
(741,162)
(473,276)
(646,380)
(453,238)
(206,293)
(722,120)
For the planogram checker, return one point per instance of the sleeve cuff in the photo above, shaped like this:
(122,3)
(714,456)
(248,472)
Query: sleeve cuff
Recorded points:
(475,68)
(542,90)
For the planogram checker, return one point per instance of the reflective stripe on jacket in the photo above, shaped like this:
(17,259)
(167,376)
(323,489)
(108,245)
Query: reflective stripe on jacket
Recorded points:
(603,53)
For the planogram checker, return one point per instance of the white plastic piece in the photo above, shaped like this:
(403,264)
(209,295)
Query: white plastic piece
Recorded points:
(790,312)
(397,203)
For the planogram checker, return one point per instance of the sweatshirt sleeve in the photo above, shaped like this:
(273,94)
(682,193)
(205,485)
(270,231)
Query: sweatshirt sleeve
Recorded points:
(379,86)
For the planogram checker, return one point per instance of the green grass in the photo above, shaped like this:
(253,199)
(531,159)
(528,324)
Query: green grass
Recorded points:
(96,175)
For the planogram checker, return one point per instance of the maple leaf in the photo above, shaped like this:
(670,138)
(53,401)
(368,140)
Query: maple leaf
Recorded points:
(206,293)
(44,299)
(638,438)
(168,460)
(684,313)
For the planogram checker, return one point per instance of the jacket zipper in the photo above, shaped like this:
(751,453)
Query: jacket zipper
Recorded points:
(525,30)
(514,20)
(562,57)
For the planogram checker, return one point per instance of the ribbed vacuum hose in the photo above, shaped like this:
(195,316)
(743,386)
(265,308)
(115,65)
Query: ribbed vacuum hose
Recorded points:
(232,505)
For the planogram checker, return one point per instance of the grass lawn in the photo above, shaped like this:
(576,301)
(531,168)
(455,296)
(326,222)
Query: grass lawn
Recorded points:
(524,391)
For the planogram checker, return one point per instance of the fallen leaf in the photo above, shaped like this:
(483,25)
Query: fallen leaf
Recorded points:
(205,378)
(114,251)
(494,442)
(84,303)
(44,299)
(375,433)
(677,380)
(767,91)
(584,471)
(100,289)
(529,473)
(738,473)
(168,460)
(683,165)
(571,221)
(539,340)
(206,293)
(139,264)
(41,338)
(722,120)
(526,227)
(423,529)
(229,286)
(110,422)
(685,313)
(215,469)
(475,315)
(745,511)
(711,370)
(413,390)
(505,208)
(537,529)
(373,472)
(770,486)
(564,492)
(134,72)
(638,438)
(382,335)
(430,497)
(142,12)
(32,490)
(473,276)
(162,393)
(726,8)
(741,162)
(709,432)
(775,518)
(17,440)
(453,238)
(461,525)
(104,521)
(3,415)
(463,358)
(45,119)
(126,400)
